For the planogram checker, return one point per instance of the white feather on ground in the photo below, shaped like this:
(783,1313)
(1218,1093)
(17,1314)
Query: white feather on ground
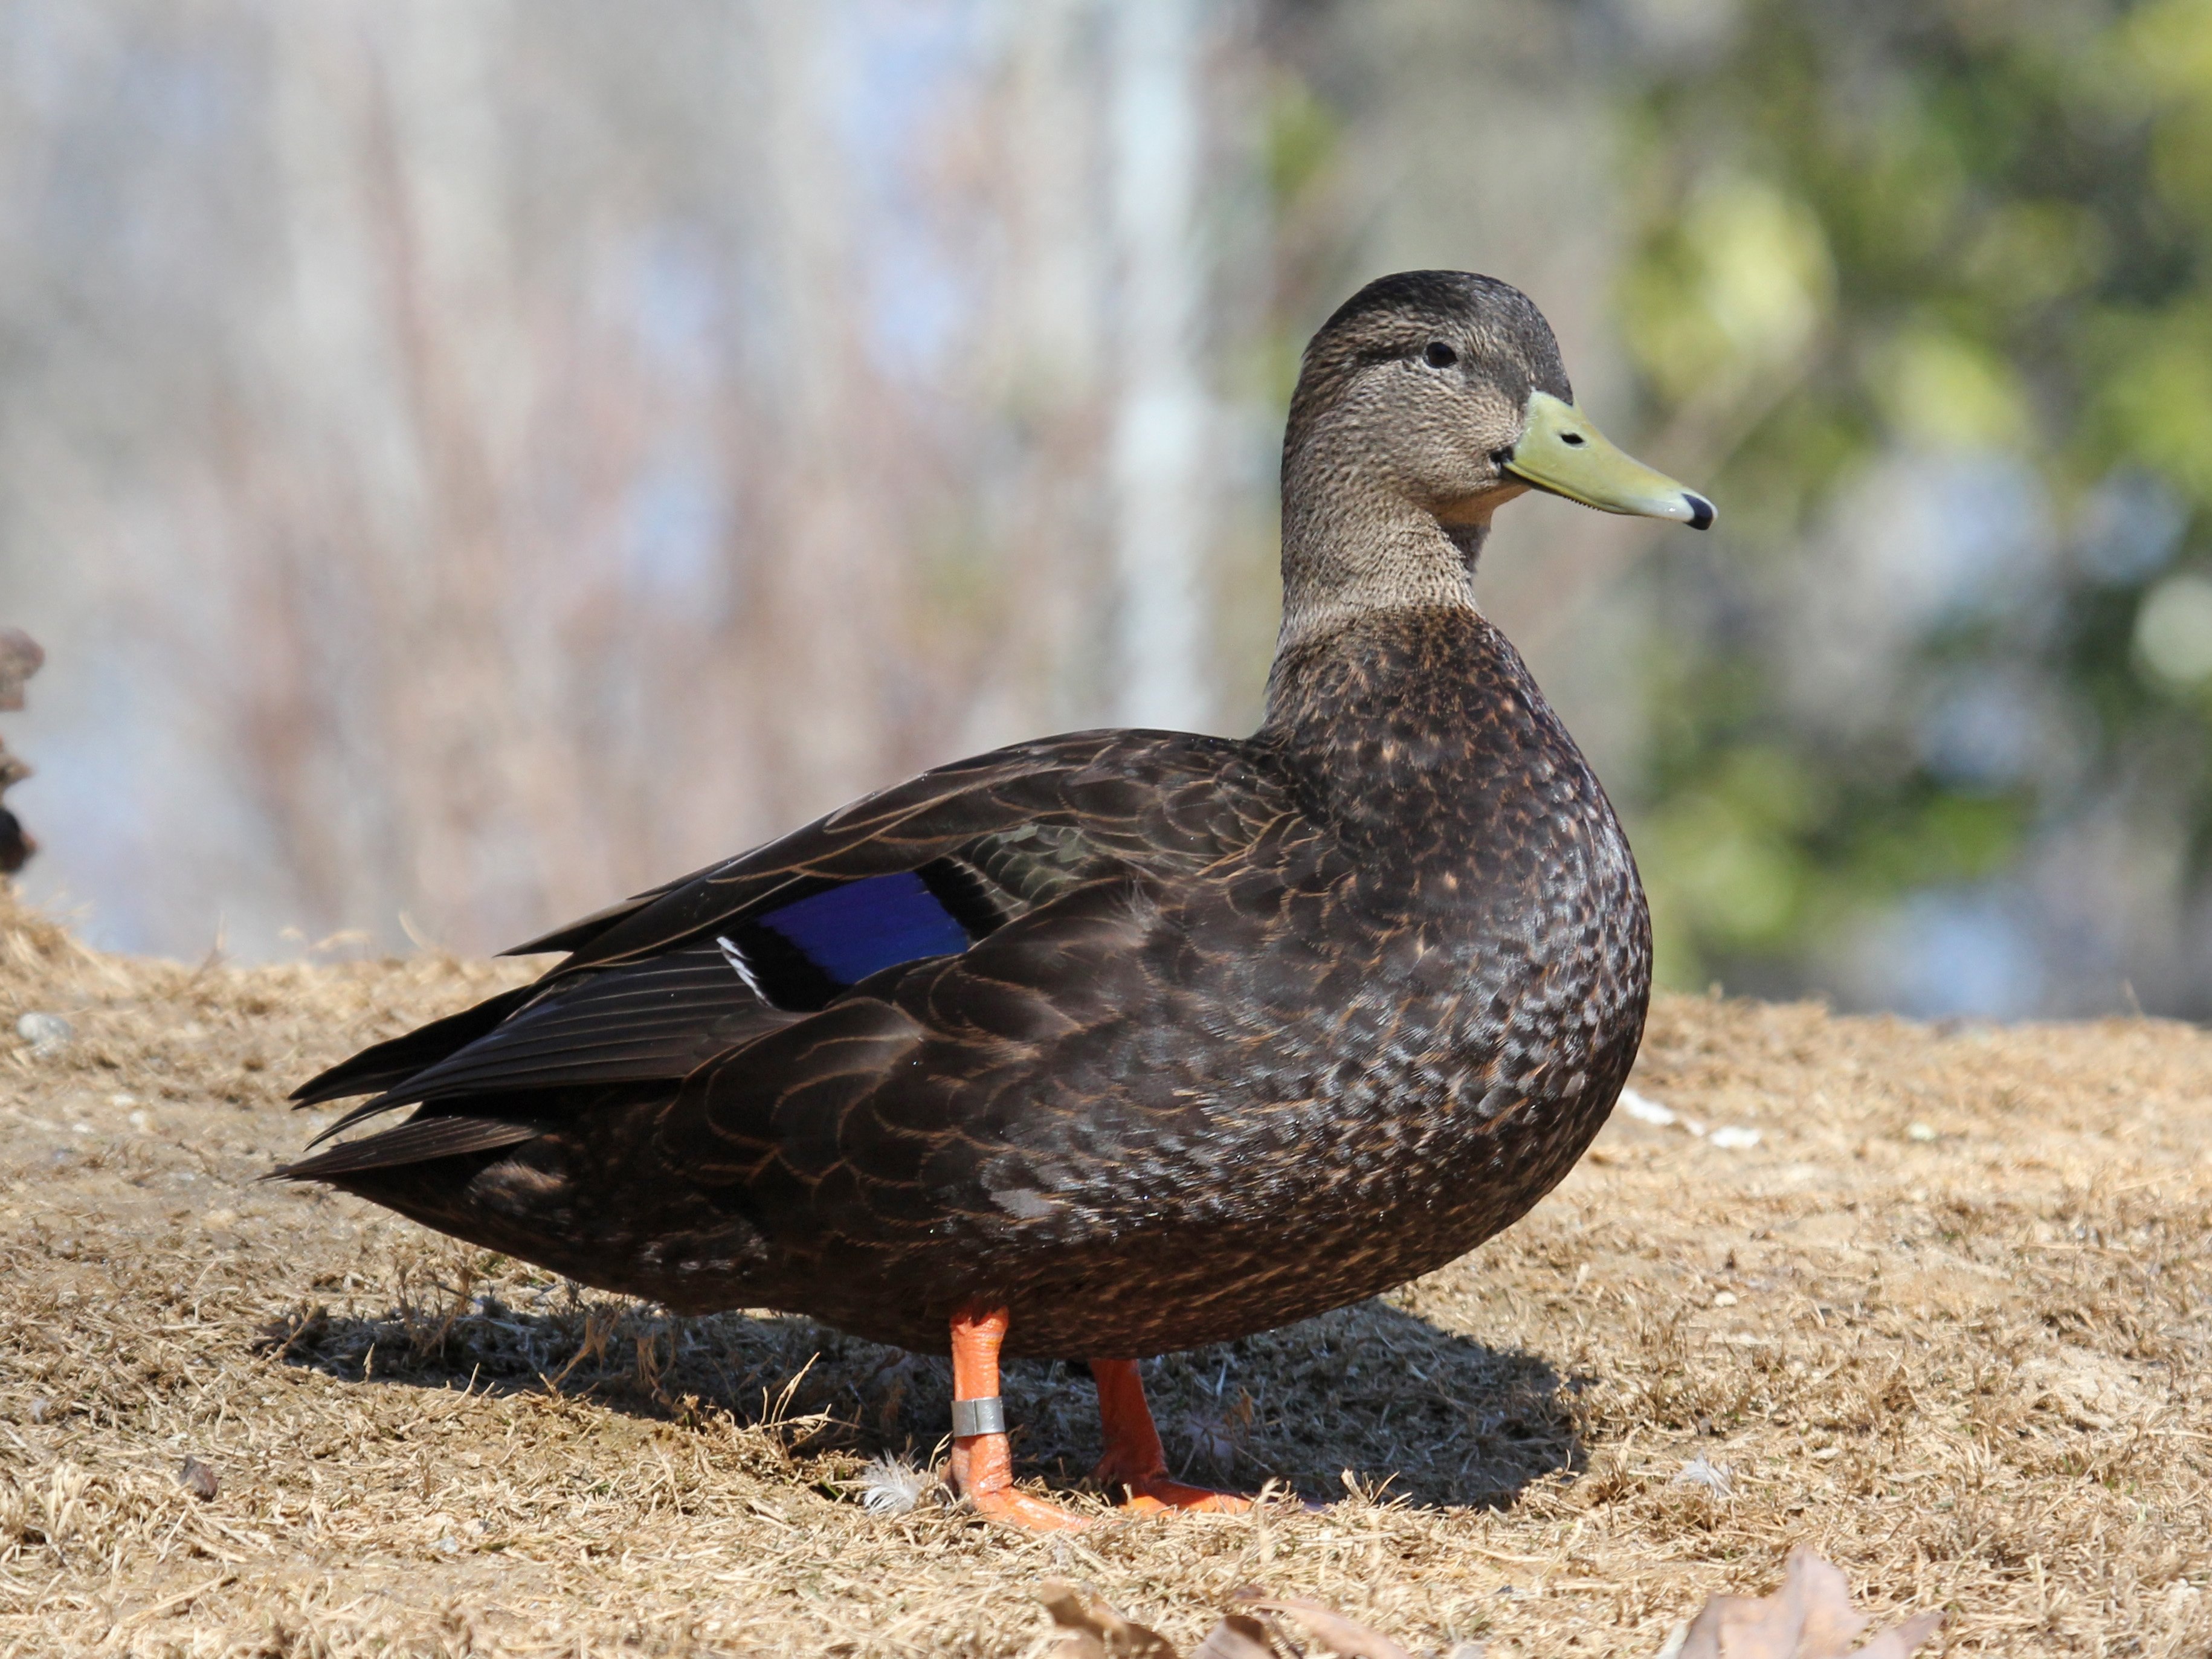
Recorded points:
(891,1486)
(1719,1477)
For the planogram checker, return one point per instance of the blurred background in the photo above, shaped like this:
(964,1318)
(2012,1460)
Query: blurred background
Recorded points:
(469,459)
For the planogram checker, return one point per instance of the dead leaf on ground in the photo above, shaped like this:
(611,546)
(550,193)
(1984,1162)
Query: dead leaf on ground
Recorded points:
(1090,1629)
(1810,1617)
(1239,1636)
(1331,1629)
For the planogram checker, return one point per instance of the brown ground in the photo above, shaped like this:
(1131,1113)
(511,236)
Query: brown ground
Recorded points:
(1949,1321)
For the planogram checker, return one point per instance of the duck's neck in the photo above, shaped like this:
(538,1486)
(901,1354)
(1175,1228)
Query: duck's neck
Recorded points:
(1355,543)
(1394,699)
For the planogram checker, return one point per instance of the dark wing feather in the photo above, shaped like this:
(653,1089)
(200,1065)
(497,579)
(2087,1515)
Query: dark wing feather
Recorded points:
(660,1016)
(900,829)
(570,935)
(412,1142)
(384,1065)
(702,969)
(657,1018)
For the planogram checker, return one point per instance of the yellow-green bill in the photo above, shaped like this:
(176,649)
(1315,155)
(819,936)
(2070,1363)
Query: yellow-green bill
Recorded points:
(1560,451)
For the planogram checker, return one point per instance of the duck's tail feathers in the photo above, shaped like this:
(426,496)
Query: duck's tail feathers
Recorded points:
(419,1139)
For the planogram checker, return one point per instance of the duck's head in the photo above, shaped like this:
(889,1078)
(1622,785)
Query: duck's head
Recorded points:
(1431,399)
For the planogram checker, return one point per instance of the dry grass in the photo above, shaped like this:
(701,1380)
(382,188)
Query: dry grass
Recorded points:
(1950,1321)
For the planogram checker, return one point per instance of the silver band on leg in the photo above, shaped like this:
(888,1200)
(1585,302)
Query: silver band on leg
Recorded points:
(974,1416)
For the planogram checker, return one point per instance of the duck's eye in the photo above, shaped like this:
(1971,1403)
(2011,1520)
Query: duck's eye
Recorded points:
(1439,354)
(1572,438)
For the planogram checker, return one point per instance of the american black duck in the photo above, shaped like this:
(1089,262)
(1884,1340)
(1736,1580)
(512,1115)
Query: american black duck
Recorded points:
(1119,1041)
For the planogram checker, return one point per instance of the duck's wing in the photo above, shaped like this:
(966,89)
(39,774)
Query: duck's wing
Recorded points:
(655,988)
(1040,813)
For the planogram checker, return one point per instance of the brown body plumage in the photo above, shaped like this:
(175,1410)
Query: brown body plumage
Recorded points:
(1143,1039)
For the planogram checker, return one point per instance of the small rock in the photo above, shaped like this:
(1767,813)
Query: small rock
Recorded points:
(1920,1131)
(199,1479)
(1645,1109)
(1724,1299)
(47,1034)
(1734,1138)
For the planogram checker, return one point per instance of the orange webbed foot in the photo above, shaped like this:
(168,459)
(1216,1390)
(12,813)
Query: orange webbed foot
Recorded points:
(1019,1508)
(1161,1496)
(1134,1461)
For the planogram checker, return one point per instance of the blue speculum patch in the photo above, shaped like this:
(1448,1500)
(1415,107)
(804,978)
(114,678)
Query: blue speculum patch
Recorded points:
(866,925)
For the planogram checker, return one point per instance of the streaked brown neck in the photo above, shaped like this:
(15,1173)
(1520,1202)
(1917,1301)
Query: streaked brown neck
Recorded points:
(1355,544)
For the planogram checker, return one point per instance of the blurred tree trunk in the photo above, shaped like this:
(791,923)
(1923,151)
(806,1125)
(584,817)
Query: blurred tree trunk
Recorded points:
(1162,432)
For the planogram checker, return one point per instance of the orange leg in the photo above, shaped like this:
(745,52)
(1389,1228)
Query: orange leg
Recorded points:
(1134,1458)
(983,1463)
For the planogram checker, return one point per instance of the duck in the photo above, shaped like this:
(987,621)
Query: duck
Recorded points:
(1120,1042)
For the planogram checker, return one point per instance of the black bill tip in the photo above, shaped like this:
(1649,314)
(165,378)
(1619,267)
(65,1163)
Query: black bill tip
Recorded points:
(1701,510)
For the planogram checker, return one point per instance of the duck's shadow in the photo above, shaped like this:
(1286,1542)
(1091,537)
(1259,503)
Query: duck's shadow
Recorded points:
(1370,1396)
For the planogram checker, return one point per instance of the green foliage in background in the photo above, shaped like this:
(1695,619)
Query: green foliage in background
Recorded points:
(1971,238)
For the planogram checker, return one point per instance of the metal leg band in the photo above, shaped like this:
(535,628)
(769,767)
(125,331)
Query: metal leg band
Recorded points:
(974,1416)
